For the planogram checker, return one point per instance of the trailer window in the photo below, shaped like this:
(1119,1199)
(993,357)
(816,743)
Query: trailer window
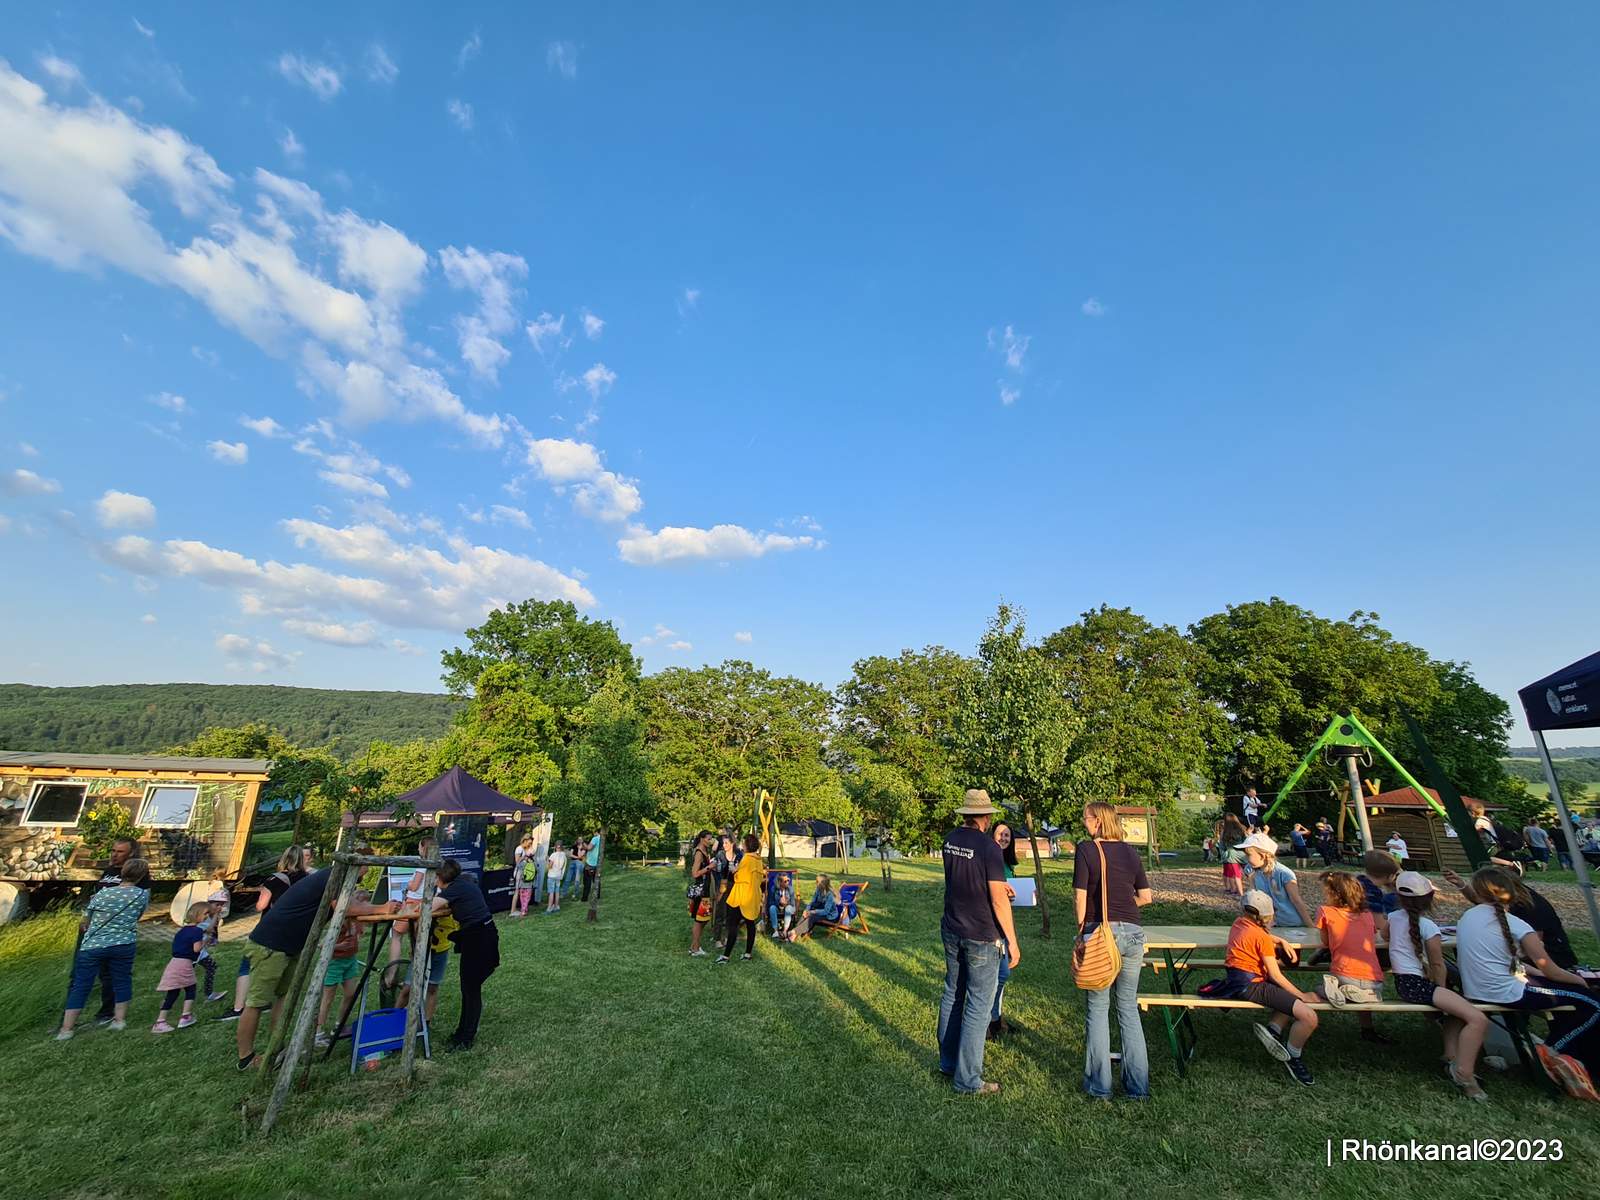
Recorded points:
(168,807)
(55,803)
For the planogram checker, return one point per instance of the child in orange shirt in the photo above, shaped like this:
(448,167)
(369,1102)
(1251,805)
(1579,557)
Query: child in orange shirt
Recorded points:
(1350,933)
(1253,974)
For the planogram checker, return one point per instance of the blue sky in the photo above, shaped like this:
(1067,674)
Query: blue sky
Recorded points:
(792,336)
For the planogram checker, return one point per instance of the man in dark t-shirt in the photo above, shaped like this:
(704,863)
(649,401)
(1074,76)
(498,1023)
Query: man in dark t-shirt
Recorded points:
(281,933)
(977,929)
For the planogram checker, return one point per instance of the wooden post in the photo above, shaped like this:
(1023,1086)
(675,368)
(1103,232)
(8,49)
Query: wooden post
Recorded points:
(419,977)
(306,1016)
(337,875)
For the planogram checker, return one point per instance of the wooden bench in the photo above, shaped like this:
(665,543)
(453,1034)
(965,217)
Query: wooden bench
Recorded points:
(1181,1038)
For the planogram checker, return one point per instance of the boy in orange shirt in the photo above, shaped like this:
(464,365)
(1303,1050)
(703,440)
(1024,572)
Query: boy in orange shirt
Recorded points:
(1253,974)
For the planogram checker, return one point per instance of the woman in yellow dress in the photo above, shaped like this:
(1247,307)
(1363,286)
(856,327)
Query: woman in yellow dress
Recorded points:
(744,899)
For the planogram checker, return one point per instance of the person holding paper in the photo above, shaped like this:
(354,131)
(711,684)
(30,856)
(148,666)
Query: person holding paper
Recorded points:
(1007,841)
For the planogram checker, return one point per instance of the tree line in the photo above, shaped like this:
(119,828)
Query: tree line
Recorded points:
(554,708)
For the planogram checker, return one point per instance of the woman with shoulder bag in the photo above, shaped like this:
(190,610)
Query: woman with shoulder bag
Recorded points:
(1109,887)
(700,867)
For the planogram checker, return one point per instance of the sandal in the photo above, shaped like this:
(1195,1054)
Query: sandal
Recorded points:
(1469,1086)
(990,1088)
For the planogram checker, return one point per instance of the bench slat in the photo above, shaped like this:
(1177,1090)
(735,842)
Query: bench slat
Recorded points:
(1387,1006)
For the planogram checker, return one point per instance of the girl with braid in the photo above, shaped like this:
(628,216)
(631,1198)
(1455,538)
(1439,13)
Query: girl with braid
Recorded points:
(1491,947)
(1416,956)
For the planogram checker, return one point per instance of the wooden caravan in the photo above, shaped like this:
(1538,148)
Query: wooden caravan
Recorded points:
(193,814)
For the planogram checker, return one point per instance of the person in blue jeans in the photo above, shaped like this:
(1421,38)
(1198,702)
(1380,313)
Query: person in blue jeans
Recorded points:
(109,938)
(977,930)
(1106,866)
(1007,841)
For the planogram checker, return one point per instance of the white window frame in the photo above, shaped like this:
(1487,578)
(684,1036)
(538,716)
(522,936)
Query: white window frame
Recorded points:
(144,805)
(33,798)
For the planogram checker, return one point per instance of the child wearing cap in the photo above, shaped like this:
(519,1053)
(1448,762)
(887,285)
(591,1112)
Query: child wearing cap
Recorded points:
(1253,974)
(1416,955)
(1265,873)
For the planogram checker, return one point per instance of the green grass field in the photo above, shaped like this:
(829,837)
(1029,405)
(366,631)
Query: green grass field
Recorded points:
(611,1064)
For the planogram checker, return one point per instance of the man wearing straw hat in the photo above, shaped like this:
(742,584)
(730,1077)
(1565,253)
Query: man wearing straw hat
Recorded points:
(977,929)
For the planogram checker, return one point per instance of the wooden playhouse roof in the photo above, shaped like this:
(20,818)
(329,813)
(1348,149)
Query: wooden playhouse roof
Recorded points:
(1407,797)
(33,763)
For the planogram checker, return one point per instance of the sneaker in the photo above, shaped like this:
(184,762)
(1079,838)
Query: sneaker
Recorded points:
(1469,1086)
(1333,990)
(233,1014)
(103,1019)
(1275,1047)
(186,1020)
(247,1062)
(697,954)
(1493,1061)
(746,957)
(117,1026)
(66,1035)
(161,1026)
(215,996)
(1297,1068)
(323,1039)
(721,958)
(1568,1072)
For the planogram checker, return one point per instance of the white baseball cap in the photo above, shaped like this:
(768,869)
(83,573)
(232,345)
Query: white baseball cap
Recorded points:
(1259,841)
(1259,903)
(1413,883)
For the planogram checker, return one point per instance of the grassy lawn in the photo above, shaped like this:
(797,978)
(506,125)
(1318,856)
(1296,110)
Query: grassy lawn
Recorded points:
(612,1064)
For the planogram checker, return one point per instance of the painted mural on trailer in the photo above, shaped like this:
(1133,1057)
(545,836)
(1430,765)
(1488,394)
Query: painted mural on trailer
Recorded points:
(187,828)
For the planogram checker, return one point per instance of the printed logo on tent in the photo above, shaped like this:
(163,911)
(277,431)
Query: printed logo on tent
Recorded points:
(1553,700)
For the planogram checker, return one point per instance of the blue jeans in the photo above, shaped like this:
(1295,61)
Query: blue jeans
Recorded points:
(574,869)
(971,977)
(1000,989)
(1097,1022)
(86,969)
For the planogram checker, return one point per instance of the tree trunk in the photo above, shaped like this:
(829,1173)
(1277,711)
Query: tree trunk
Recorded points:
(599,870)
(883,863)
(1038,877)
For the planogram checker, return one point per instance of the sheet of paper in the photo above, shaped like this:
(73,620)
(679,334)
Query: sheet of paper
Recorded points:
(1025,894)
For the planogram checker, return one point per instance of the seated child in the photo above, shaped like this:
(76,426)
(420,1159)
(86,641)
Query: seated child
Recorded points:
(179,975)
(1253,974)
(1380,871)
(1350,934)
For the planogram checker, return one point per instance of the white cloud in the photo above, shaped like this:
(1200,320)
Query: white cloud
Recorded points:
(720,543)
(1093,308)
(210,357)
(294,153)
(265,426)
(27,450)
(461,113)
(85,186)
(143,28)
(124,510)
(689,301)
(379,66)
(1008,395)
(562,58)
(470,49)
(575,468)
(592,325)
(1012,346)
(597,380)
(23,482)
(148,619)
(242,652)
(170,401)
(680,645)
(318,77)
(493,278)
(334,633)
(235,454)
(359,485)
(744,636)
(505,514)
(547,330)
(661,634)
(60,70)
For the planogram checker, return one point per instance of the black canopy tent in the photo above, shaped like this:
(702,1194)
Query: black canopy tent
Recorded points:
(455,793)
(1568,699)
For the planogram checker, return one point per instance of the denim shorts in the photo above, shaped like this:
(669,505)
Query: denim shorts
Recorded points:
(438,963)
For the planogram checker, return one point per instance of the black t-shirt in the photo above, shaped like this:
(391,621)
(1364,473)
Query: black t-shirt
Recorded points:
(280,882)
(971,863)
(285,926)
(466,901)
(1548,925)
(1124,876)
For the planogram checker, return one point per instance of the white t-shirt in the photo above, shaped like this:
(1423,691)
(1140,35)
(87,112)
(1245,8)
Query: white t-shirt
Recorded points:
(1485,962)
(556,863)
(1402,957)
(1397,847)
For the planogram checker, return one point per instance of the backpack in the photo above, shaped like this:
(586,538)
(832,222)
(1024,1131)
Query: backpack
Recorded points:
(530,869)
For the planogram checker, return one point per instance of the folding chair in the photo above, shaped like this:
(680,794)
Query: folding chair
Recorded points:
(851,918)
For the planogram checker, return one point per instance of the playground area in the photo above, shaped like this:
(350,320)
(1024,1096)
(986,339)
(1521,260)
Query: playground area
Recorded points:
(612,1063)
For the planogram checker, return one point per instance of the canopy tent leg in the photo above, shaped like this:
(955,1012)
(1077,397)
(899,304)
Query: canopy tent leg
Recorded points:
(1579,864)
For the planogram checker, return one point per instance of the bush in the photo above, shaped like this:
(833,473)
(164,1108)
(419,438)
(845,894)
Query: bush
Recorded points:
(104,825)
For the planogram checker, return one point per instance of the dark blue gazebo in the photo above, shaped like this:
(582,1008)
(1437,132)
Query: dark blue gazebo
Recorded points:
(455,793)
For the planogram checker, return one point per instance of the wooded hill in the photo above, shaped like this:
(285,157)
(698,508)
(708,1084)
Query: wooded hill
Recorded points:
(136,718)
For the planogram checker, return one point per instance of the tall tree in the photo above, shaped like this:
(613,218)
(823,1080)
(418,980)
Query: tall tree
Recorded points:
(1147,727)
(1014,729)
(295,776)
(508,736)
(715,734)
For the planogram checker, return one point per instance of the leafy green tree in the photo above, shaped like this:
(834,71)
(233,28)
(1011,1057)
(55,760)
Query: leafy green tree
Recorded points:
(1147,726)
(717,733)
(294,774)
(408,765)
(508,737)
(1014,728)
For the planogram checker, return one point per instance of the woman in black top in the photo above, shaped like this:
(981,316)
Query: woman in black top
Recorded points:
(477,945)
(700,869)
(1126,890)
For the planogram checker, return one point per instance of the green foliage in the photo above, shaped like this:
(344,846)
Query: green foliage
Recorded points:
(1147,727)
(717,733)
(508,736)
(607,785)
(137,718)
(1523,806)
(406,766)
(104,824)
(1569,771)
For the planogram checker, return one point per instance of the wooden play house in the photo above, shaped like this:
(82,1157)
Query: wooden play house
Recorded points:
(193,814)
(1429,838)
